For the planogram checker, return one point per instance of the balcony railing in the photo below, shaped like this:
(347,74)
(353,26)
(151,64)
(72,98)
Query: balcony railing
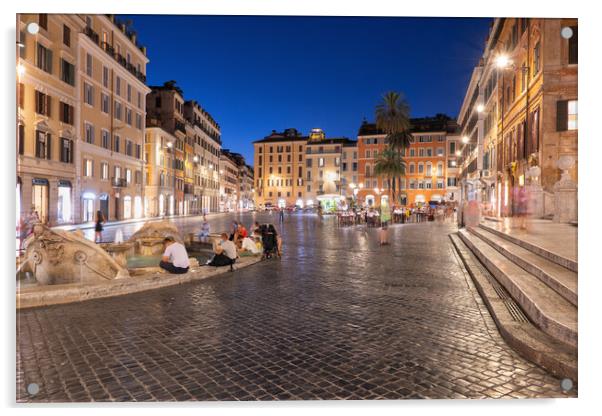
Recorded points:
(92,34)
(119,182)
(180,126)
(111,52)
(209,132)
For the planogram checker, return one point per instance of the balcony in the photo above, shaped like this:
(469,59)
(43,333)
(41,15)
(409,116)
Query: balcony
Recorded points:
(111,52)
(107,48)
(119,183)
(207,131)
(92,35)
(180,126)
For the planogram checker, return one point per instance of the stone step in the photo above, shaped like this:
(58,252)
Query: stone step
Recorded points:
(562,280)
(545,308)
(564,261)
(529,341)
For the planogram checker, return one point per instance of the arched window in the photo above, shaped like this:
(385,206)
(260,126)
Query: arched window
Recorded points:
(412,168)
(420,168)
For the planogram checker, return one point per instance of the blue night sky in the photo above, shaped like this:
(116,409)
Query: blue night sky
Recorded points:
(258,73)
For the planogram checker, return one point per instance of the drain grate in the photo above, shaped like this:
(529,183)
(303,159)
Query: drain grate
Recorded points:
(513,308)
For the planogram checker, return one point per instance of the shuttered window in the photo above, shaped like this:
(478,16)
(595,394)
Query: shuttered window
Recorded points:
(66,35)
(573,46)
(44,59)
(562,115)
(43,20)
(43,145)
(43,103)
(66,150)
(536,58)
(21,142)
(21,95)
(67,72)
(66,113)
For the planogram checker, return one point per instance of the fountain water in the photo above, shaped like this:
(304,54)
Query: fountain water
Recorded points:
(118,236)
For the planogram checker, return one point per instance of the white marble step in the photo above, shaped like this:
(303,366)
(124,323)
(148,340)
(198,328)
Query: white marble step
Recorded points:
(560,279)
(549,311)
(563,260)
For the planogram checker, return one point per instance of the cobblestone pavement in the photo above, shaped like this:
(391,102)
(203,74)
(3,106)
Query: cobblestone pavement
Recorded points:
(338,317)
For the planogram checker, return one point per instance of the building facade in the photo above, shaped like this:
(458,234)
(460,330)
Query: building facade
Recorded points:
(279,167)
(240,194)
(246,201)
(295,170)
(349,170)
(430,163)
(81,89)
(47,116)
(324,178)
(519,118)
(229,185)
(206,139)
(110,160)
(182,147)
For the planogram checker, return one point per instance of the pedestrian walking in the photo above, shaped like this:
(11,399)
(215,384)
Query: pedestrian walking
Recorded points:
(281,214)
(98,227)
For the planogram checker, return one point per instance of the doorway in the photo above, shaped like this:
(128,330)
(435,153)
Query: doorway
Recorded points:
(39,198)
(88,207)
(104,205)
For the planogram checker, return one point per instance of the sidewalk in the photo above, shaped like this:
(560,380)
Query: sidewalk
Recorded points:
(90,225)
(551,236)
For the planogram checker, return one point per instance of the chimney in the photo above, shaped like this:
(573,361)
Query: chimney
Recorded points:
(122,27)
(143,49)
(133,38)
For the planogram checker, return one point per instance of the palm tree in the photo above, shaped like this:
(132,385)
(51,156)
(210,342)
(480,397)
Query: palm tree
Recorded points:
(390,165)
(393,118)
(393,114)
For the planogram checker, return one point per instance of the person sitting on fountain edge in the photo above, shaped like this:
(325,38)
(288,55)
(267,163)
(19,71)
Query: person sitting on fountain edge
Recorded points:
(175,257)
(225,252)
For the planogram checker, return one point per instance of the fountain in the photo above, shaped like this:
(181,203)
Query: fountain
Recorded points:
(148,240)
(60,257)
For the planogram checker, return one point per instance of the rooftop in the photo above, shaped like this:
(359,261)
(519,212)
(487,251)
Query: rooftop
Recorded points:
(439,122)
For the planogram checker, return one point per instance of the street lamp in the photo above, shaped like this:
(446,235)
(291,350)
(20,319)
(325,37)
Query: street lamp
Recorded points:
(480,108)
(458,153)
(465,139)
(502,61)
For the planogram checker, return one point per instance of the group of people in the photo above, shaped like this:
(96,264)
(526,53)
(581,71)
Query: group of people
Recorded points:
(263,240)
(400,214)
